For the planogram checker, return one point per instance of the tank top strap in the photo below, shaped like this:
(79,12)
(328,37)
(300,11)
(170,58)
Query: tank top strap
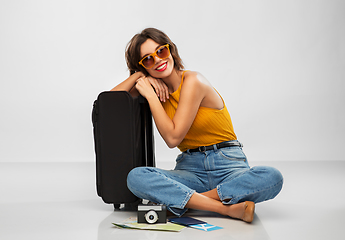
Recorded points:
(183,74)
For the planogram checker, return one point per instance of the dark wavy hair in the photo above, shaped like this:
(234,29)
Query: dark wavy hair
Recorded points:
(133,49)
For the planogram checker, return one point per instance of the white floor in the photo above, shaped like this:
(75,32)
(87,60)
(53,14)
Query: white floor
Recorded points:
(59,201)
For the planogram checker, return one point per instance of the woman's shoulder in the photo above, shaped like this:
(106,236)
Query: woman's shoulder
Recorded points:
(191,74)
(194,77)
(198,84)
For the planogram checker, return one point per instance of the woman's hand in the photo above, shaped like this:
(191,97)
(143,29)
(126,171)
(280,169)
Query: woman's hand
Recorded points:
(144,86)
(160,87)
(173,131)
(129,84)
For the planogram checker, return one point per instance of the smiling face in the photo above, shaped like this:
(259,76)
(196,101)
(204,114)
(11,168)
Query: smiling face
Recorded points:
(162,67)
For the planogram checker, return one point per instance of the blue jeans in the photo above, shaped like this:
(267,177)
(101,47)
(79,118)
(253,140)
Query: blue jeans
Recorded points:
(225,169)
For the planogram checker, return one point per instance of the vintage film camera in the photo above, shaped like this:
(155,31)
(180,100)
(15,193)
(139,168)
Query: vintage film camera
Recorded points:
(152,213)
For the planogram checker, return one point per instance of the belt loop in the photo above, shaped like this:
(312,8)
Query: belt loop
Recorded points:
(202,149)
(214,147)
(188,151)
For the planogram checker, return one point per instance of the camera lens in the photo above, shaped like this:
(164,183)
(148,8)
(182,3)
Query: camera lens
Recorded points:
(151,216)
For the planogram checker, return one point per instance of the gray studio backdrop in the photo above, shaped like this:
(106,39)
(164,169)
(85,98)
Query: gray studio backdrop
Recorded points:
(279,65)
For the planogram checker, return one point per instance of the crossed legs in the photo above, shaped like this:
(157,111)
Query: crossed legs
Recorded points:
(210,201)
(234,198)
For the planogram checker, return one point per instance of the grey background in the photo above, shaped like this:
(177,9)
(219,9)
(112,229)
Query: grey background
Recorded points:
(279,65)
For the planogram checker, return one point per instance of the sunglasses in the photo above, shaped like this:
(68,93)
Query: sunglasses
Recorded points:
(149,61)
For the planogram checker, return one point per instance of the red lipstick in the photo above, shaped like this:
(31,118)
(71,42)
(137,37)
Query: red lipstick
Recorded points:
(162,67)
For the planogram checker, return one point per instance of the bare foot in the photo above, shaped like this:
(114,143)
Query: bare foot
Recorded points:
(243,211)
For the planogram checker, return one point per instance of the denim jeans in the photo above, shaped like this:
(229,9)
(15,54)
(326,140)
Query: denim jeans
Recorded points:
(225,169)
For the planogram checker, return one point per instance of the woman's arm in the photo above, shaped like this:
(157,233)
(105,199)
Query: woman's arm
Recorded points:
(173,131)
(128,85)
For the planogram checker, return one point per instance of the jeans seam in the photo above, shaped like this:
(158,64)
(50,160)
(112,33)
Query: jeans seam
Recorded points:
(220,185)
(254,192)
(189,193)
(187,198)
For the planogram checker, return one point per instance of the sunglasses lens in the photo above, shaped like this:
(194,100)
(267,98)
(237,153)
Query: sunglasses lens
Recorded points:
(163,52)
(148,61)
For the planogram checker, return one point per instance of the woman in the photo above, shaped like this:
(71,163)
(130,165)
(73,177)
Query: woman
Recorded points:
(212,172)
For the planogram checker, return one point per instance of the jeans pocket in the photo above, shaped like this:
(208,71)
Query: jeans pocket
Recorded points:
(180,157)
(233,154)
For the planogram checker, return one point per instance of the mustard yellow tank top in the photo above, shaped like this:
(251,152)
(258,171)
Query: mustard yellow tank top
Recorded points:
(210,126)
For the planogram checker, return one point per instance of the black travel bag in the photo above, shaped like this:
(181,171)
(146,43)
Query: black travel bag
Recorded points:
(123,136)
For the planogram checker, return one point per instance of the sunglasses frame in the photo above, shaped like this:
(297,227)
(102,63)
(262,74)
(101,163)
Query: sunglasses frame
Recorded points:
(155,54)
